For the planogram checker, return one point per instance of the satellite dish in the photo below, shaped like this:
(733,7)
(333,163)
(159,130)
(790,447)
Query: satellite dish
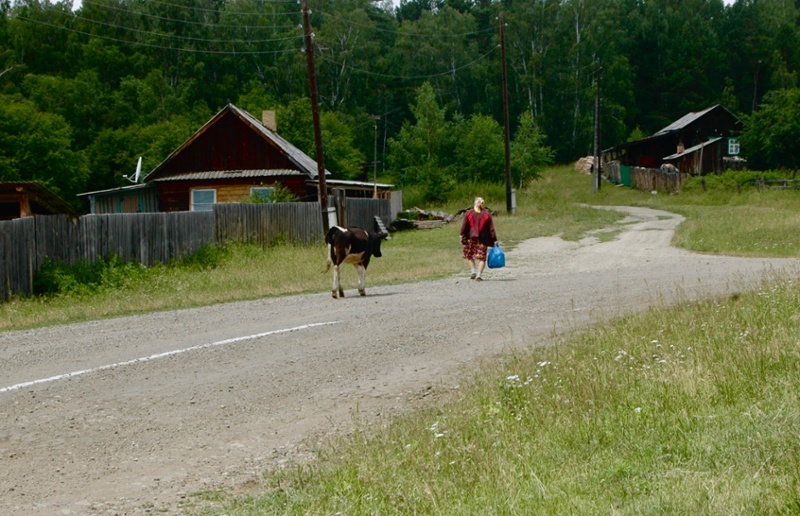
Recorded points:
(135,178)
(138,170)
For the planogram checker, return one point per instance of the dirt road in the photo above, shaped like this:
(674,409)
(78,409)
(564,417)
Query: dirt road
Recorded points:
(136,415)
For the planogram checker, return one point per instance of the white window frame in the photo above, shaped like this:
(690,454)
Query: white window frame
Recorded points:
(255,189)
(203,206)
(734,148)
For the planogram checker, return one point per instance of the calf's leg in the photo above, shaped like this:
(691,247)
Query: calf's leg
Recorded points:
(336,284)
(362,279)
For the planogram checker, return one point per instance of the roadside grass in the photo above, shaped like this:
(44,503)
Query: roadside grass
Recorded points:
(684,410)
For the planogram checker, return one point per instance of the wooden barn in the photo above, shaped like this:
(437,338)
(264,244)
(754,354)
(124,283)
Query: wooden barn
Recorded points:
(696,144)
(232,158)
(20,199)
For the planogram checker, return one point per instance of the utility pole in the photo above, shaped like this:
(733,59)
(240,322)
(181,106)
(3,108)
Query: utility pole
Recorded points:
(596,160)
(312,83)
(509,204)
(375,119)
(755,87)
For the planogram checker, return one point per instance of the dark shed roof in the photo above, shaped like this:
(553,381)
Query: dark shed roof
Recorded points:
(43,201)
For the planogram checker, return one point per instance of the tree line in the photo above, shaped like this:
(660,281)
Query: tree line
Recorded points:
(413,91)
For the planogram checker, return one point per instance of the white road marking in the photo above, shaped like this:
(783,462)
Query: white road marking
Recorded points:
(162,355)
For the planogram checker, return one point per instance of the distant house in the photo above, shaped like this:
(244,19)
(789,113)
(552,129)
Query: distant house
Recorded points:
(20,199)
(696,144)
(232,158)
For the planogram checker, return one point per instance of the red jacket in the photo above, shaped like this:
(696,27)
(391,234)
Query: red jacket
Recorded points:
(484,231)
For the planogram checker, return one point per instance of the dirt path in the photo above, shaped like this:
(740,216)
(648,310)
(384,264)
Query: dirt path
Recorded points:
(136,415)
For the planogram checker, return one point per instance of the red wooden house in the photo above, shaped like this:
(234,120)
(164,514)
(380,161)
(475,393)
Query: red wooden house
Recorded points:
(232,158)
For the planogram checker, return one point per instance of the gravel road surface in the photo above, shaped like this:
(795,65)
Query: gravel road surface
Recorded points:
(136,415)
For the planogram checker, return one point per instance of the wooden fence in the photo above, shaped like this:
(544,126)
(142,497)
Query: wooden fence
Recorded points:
(645,179)
(151,238)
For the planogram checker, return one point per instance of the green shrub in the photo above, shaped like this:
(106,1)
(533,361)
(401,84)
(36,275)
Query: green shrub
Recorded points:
(55,277)
(279,194)
(207,257)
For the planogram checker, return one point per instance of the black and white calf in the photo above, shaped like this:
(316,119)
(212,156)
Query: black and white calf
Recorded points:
(351,245)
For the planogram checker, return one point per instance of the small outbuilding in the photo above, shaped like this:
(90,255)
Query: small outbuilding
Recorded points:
(696,144)
(20,199)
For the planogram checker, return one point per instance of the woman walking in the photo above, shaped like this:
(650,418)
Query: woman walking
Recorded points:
(477,235)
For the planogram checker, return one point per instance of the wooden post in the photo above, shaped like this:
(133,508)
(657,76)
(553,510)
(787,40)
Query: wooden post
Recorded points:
(596,160)
(509,205)
(312,83)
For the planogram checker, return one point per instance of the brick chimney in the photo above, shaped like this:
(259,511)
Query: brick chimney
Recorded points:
(269,121)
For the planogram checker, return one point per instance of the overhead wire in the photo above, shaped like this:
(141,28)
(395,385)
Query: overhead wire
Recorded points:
(193,22)
(203,9)
(424,76)
(186,38)
(406,33)
(245,42)
(160,47)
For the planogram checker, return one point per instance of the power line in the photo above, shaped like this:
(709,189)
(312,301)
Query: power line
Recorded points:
(402,77)
(160,47)
(186,38)
(203,9)
(413,34)
(192,22)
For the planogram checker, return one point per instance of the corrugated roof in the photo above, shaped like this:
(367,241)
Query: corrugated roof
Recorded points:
(140,186)
(229,174)
(691,150)
(683,121)
(345,182)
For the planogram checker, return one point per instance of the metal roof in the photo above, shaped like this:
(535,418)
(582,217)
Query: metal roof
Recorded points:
(345,182)
(139,186)
(691,150)
(684,121)
(231,174)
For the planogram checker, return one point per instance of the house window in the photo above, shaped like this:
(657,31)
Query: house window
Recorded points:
(203,200)
(261,193)
(733,146)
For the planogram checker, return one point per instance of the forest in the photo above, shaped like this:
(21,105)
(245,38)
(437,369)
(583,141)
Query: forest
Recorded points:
(410,90)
